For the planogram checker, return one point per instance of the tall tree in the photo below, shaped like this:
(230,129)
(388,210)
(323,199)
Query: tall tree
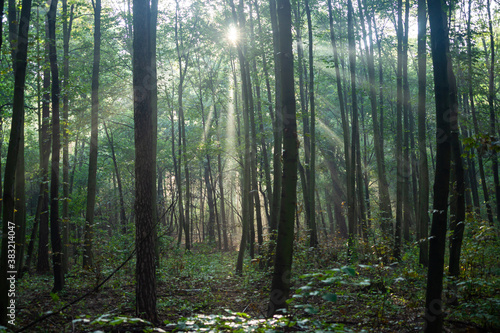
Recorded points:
(16,131)
(92,177)
(280,287)
(42,265)
(423,190)
(55,234)
(65,125)
(312,164)
(491,104)
(383,184)
(144,165)
(399,135)
(440,48)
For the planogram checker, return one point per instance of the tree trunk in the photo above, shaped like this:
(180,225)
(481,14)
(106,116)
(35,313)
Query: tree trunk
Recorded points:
(355,184)
(277,125)
(491,104)
(280,287)
(64,128)
(399,137)
(439,46)
(92,177)
(313,242)
(423,190)
(383,185)
(406,167)
(7,267)
(474,120)
(144,164)
(42,265)
(55,235)
(123,216)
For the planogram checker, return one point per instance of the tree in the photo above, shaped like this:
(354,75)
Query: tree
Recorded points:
(92,177)
(312,166)
(55,234)
(12,157)
(144,164)
(65,211)
(280,287)
(440,47)
(423,190)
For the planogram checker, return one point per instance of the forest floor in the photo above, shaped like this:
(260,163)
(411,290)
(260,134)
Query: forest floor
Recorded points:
(198,291)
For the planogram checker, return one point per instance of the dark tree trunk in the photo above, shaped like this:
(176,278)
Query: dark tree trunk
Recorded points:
(313,242)
(16,131)
(278,123)
(55,234)
(399,136)
(280,287)
(123,216)
(383,185)
(440,47)
(423,190)
(92,176)
(491,104)
(42,265)
(65,131)
(144,164)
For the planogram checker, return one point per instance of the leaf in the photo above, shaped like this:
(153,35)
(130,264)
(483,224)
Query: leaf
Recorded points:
(311,310)
(330,297)
(55,297)
(349,270)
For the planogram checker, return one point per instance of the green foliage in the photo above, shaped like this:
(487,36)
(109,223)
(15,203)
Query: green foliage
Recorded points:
(242,322)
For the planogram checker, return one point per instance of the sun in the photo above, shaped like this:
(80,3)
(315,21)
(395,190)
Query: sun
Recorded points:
(233,35)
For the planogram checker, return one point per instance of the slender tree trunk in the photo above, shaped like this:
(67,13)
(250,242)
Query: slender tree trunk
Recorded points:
(144,165)
(267,167)
(383,185)
(92,177)
(55,235)
(440,47)
(7,267)
(42,265)
(123,216)
(355,210)
(491,104)
(423,190)
(475,121)
(280,287)
(457,223)
(312,165)
(399,136)
(247,200)
(406,167)
(278,123)
(64,128)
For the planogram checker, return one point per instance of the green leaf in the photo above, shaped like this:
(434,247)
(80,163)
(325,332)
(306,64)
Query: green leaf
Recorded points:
(311,310)
(349,270)
(330,297)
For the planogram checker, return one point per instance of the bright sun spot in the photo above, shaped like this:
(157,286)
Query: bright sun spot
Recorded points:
(232,35)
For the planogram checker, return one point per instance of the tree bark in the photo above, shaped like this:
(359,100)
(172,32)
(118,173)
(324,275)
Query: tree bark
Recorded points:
(12,157)
(55,235)
(92,177)
(423,190)
(280,287)
(440,47)
(144,171)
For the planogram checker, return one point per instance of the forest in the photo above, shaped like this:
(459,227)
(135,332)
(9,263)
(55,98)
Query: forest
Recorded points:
(249,166)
